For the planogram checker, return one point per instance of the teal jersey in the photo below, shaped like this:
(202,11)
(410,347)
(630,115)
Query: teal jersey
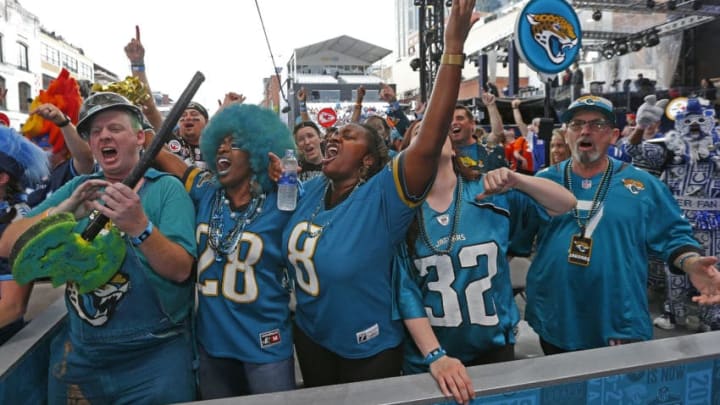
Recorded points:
(341,262)
(465,292)
(482,159)
(574,306)
(243,299)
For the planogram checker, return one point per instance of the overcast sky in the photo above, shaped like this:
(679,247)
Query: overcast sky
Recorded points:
(221,38)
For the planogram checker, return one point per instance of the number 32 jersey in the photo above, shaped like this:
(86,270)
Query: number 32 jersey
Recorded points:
(466,294)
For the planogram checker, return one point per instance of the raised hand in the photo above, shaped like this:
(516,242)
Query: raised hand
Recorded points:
(134,50)
(360,95)
(462,17)
(232,98)
(488,98)
(301,94)
(50,112)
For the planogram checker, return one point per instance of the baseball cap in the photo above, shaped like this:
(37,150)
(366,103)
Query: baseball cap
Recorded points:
(199,108)
(590,103)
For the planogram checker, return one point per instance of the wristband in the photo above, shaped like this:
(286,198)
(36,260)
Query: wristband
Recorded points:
(137,68)
(137,240)
(434,355)
(457,59)
(64,123)
(681,263)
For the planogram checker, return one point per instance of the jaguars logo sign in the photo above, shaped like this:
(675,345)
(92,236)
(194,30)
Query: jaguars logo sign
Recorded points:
(633,186)
(98,306)
(548,35)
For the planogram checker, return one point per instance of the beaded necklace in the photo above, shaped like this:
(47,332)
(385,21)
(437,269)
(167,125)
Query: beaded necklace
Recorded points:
(598,199)
(453,228)
(314,234)
(225,244)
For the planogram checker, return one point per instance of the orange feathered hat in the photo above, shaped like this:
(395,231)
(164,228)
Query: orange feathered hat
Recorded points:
(63,93)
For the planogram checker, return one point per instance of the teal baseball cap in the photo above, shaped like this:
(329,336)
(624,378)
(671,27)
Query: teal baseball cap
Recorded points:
(590,103)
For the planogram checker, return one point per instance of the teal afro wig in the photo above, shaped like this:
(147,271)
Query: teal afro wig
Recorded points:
(257,130)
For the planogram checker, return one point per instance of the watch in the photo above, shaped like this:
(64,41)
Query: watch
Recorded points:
(453,59)
(137,240)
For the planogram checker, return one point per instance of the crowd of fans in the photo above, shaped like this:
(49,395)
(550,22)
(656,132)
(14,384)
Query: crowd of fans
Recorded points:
(408,223)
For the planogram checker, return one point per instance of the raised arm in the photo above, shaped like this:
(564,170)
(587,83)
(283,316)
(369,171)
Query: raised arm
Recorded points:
(135,52)
(302,103)
(422,156)
(388,95)
(357,108)
(517,115)
(83,161)
(168,161)
(496,123)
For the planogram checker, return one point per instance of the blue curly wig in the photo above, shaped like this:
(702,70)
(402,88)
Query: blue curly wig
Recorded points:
(22,159)
(257,130)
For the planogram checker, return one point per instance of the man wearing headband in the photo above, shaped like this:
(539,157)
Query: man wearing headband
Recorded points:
(190,127)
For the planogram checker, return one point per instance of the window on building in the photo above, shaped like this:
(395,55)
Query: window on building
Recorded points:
(69,63)
(24,96)
(2,58)
(51,55)
(86,71)
(3,95)
(325,96)
(46,79)
(22,57)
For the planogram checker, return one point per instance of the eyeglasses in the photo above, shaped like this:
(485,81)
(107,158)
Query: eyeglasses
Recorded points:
(595,125)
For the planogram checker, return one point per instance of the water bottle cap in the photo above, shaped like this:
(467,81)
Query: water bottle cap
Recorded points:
(289,152)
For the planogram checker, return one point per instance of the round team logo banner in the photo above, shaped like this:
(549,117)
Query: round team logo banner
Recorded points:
(675,106)
(548,35)
(327,117)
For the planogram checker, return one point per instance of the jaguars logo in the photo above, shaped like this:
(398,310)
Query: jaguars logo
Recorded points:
(633,186)
(98,306)
(554,34)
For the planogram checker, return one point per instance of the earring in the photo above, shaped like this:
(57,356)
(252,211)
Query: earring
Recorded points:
(255,187)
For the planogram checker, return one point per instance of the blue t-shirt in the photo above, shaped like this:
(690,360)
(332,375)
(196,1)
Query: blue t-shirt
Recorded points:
(342,275)
(466,294)
(579,307)
(242,297)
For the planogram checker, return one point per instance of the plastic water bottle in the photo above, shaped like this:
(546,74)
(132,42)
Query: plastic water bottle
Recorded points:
(288,184)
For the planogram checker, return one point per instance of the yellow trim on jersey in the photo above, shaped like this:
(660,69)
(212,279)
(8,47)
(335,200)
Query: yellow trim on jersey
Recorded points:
(191,178)
(400,185)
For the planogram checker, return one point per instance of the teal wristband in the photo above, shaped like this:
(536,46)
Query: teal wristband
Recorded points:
(681,264)
(137,240)
(434,355)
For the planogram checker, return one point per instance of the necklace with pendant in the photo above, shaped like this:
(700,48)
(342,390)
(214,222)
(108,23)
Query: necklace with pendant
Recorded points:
(316,233)
(224,244)
(453,228)
(581,245)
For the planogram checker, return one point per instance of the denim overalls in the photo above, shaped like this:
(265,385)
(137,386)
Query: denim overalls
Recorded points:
(120,345)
